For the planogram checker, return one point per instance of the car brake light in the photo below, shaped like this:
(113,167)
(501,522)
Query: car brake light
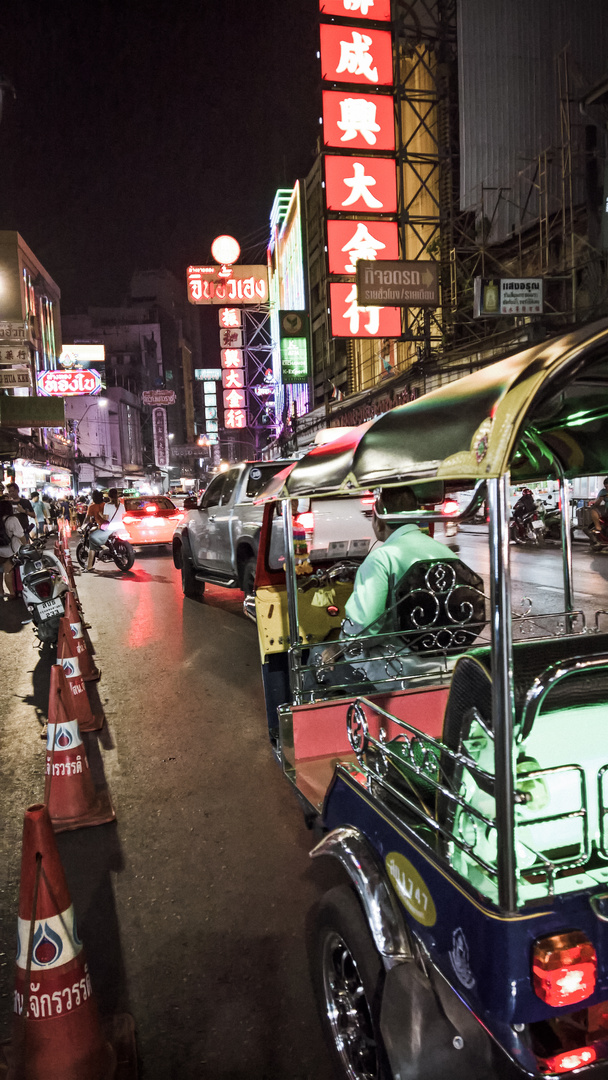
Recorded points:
(569,1060)
(450,506)
(150,509)
(305,520)
(43,589)
(368,500)
(564,968)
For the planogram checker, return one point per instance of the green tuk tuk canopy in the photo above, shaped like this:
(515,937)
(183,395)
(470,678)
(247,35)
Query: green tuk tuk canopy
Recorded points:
(549,401)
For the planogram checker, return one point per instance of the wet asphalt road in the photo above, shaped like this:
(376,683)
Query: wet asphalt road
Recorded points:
(192,905)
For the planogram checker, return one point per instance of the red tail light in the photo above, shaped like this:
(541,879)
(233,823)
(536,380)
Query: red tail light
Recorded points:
(175,517)
(450,506)
(43,589)
(564,968)
(569,1060)
(306,520)
(368,500)
(151,509)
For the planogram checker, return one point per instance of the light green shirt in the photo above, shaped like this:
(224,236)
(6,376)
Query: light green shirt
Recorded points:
(386,565)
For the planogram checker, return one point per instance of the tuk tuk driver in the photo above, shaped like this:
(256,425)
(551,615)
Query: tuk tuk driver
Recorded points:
(370,608)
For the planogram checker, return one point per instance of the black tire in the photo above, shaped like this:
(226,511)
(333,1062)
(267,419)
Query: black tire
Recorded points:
(190,586)
(82,554)
(123,554)
(348,976)
(248,577)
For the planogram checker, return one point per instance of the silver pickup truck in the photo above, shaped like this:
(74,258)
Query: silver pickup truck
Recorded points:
(218,541)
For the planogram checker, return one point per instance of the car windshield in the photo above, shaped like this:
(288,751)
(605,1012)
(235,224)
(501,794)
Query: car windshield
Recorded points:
(259,477)
(162,503)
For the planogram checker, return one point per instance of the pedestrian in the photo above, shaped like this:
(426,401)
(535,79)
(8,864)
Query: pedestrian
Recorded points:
(22,508)
(41,512)
(11,539)
(53,511)
(96,516)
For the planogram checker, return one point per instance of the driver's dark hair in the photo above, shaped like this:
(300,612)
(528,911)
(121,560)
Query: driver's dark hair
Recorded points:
(97,497)
(6,508)
(113,493)
(398,500)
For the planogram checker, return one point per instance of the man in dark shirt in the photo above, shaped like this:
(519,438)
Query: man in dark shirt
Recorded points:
(22,508)
(599,508)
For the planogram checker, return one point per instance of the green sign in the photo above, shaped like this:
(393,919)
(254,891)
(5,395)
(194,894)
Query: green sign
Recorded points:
(31,412)
(294,360)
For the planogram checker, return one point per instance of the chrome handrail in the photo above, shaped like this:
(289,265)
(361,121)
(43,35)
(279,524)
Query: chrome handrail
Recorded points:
(548,680)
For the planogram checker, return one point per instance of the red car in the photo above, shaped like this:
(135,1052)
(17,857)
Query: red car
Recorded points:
(150,519)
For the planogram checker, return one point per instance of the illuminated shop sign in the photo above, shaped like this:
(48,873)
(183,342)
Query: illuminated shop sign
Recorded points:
(202,373)
(231,339)
(231,358)
(231,316)
(294,360)
(82,356)
(348,241)
(235,399)
(356,55)
(160,438)
(380,10)
(235,284)
(233,379)
(68,383)
(358,121)
(235,418)
(361,185)
(350,320)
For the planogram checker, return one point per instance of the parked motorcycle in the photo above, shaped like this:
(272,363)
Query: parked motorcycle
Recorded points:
(527,528)
(43,582)
(115,549)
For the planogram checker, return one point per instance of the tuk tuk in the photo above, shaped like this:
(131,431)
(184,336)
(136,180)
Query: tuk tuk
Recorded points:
(464,792)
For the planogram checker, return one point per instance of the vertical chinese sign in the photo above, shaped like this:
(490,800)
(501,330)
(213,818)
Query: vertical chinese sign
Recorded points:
(359,157)
(161,439)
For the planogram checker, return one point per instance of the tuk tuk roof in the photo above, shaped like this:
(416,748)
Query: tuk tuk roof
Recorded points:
(551,399)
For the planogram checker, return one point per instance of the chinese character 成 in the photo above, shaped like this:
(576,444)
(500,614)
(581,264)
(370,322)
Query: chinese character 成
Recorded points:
(359,185)
(362,245)
(358,117)
(353,313)
(356,58)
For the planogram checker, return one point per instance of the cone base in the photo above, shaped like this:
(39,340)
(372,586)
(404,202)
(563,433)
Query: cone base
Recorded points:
(119,1031)
(92,725)
(95,677)
(101,812)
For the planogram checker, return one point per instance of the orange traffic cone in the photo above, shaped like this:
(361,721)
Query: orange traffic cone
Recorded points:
(58,551)
(56,1027)
(69,791)
(88,668)
(69,567)
(74,693)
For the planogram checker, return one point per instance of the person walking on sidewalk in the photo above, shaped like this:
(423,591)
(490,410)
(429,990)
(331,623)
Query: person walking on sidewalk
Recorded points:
(41,512)
(11,538)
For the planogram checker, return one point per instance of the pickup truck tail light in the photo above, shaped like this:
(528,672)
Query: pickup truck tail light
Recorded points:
(564,968)
(450,507)
(306,521)
(569,1060)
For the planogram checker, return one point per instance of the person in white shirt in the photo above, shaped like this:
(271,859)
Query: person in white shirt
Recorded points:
(11,537)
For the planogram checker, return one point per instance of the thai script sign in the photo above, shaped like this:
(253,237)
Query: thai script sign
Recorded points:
(407,284)
(233,284)
(158,397)
(507,296)
(68,383)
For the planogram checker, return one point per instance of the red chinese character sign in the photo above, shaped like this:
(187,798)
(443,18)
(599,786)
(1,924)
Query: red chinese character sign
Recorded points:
(235,418)
(233,379)
(356,55)
(380,10)
(348,241)
(231,358)
(68,383)
(361,185)
(230,317)
(235,399)
(349,320)
(358,121)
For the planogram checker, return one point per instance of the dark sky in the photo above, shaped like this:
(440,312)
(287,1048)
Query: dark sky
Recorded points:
(142,129)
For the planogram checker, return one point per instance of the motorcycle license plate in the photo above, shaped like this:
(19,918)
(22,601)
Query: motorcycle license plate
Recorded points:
(50,608)
(537,524)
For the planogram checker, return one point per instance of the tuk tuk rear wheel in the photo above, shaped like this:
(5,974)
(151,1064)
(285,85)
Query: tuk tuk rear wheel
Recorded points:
(348,976)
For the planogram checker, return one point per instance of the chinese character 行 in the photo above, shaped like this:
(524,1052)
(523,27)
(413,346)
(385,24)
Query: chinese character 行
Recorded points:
(356,58)
(362,245)
(359,185)
(236,418)
(353,313)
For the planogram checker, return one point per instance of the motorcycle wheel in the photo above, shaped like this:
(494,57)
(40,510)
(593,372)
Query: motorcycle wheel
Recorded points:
(82,554)
(124,555)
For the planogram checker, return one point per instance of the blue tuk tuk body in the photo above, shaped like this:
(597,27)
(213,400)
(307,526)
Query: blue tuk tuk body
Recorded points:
(464,794)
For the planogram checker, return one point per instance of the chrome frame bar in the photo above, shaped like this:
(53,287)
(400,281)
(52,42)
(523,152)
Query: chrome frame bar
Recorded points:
(549,678)
(564,487)
(502,690)
(295,673)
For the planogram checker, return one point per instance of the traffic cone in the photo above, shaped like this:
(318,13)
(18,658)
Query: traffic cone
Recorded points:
(78,706)
(88,668)
(66,558)
(58,551)
(69,791)
(56,1027)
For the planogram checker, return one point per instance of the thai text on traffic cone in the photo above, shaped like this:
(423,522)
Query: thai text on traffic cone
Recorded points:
(74,693)
(69,791)
(88,669)
(56,1027)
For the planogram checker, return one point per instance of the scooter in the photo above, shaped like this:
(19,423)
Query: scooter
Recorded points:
(115,549)
(43,582)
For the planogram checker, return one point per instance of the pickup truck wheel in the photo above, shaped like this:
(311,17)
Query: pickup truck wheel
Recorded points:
(347,974)
(249,577)
(190,586)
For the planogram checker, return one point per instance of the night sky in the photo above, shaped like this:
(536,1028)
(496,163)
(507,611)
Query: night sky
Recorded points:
(143,129)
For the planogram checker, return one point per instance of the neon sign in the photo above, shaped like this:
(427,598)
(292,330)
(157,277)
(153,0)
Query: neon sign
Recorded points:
(231,358)
(68,383)
(380,10)
(361,185)
(235,284)
(356,55)
(350,320)
(348,241)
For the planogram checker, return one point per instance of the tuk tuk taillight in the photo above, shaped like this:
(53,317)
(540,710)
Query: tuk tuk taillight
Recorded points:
(564,968)
(569,1060)
(306,520)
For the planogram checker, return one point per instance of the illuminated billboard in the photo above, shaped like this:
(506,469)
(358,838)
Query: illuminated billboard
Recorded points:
(82,356)
(356,55)
(361,185)
(348,241)
(380,10)
(68,383)
(358,121)
(227,284)
(350,320)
